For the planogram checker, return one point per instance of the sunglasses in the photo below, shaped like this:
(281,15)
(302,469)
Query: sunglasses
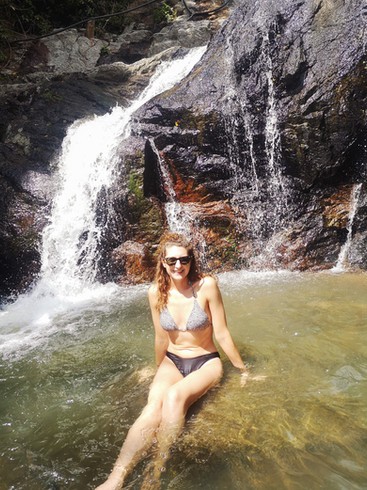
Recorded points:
(183,260)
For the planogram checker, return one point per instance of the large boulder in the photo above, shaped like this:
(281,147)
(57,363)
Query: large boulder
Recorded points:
(272,123)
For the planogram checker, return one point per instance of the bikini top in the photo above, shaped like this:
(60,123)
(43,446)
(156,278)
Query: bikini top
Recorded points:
(198,319)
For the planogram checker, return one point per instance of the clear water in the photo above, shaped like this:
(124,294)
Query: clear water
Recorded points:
(68,400)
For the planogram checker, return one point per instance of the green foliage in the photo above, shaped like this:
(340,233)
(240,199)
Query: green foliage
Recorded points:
(38,17)
(104,51)
(135,185)
(50,96)
(137,201)
(165,13)
(144,213)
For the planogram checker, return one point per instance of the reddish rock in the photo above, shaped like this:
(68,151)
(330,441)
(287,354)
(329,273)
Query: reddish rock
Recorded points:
(134,262)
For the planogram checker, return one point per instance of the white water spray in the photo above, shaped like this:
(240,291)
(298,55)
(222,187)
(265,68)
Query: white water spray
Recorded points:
(70,242)
(86,166)
(342,262)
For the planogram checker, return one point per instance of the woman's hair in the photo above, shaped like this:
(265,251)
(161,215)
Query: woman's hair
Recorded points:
(162,279)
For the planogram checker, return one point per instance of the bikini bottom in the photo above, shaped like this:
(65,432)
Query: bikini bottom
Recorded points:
(188,365)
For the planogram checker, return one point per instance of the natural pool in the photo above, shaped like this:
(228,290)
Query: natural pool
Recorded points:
(72,382)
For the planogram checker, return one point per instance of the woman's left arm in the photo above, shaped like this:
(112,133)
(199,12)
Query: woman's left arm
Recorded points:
(219,321)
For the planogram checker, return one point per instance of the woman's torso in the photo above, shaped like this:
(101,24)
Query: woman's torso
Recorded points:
(187,320)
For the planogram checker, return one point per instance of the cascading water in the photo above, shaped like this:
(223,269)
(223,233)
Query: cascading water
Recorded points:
(277,185)
(180,219)
(342,262)
(71,240)
(260,190)
(86,166)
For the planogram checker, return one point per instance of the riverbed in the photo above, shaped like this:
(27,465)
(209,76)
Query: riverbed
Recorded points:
(74,377)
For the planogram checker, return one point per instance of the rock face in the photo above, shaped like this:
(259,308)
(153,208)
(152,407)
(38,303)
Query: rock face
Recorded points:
(260,153)
(271,130)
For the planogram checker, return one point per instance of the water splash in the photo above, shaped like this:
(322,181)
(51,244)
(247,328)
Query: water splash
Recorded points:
(342,262)
(70,242)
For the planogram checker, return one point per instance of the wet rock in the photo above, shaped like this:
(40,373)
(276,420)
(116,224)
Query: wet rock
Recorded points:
(273,122)
(134,262)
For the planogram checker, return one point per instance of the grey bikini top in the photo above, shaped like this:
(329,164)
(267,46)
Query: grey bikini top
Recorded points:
(198,319)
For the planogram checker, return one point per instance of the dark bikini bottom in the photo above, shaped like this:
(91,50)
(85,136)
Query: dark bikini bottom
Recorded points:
(188,365)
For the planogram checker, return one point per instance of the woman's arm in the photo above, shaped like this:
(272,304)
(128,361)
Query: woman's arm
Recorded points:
(219,321)
(161,337)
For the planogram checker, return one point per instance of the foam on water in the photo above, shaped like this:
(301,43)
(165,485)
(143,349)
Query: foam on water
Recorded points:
(238,279)
(33,318)
(67,286)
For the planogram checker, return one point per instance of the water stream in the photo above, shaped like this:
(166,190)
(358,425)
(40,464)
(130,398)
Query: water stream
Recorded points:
(179,220)
(342,262)
(70,243)
(260,190)
(180,216)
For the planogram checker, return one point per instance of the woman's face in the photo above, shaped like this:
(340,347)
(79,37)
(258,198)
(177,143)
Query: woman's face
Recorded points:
(177,270)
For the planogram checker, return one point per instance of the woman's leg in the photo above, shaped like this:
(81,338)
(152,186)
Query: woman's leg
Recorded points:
(182,394)
(143,431)
(178,398)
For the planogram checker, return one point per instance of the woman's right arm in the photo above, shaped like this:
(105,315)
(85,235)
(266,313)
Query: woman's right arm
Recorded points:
(161,337)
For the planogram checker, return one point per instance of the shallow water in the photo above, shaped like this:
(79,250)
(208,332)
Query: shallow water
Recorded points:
(68,399)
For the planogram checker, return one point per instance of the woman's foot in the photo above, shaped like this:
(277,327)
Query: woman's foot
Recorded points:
(115,480)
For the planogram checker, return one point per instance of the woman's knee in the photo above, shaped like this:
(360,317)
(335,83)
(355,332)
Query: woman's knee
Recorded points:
(173,400)
(152,411)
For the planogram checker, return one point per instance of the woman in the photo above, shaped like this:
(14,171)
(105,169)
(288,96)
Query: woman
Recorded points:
(187,311)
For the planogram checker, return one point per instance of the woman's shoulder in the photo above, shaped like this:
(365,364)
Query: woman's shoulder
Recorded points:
(153,288)
(206,284)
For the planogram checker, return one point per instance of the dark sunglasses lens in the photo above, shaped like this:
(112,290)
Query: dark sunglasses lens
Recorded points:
(172,260)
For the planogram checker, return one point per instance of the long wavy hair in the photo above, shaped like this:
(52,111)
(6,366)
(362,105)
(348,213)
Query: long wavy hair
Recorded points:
(162,279)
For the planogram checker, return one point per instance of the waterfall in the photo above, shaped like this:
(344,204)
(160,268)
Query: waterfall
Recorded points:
(277,185)
(260,190)
(70,242)
(180,217)
(86,166)
(342,262)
